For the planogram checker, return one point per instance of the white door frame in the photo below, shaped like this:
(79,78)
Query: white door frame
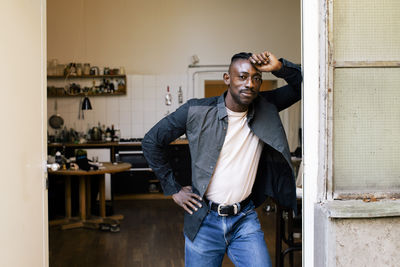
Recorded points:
(313,56)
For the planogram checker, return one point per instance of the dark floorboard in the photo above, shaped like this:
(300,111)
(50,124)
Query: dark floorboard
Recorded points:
(151,235)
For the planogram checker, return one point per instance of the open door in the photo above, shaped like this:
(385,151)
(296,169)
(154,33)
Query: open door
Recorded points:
(23,197)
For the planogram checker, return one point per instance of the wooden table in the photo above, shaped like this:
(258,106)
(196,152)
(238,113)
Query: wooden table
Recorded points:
(84,196)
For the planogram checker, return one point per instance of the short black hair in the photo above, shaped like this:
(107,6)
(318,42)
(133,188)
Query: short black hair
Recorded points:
(241,55)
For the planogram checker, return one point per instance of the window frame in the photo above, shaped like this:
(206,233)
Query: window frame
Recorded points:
(331,65)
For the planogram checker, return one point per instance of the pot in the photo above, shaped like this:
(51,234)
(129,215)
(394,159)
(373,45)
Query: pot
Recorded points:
(56,121)
(95,134)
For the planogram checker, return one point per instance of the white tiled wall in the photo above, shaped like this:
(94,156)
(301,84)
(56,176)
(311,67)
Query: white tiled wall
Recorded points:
(134,113)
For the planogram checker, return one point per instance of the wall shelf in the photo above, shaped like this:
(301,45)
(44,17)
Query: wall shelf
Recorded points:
(56,83)
(85,76)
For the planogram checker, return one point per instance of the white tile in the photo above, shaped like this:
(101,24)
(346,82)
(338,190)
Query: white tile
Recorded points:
(137,88)
(137,80)
(129,81)
(138,93)
(99,104)
(125,117)
(88,115)
(137,105)
(50,105)
(126,130)
(125,104)
(112,104)
(129,92)
(161,92)
(149,105)
(160,102)
(149,117)
(78,125)
(112,118)
(137,130)
(62,104)
(149,92)
(137,117)
(149,81)
(100,111)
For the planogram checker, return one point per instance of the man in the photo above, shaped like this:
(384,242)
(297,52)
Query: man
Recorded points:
(239,156)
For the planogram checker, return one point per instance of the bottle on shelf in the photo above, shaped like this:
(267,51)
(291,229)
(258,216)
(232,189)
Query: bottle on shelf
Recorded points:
(86,69)
(117,134)
(108,134)
(180,95)
(168,97)
(112,131)
(93,89)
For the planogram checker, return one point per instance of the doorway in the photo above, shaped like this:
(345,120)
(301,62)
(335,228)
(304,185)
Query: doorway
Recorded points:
(97,44)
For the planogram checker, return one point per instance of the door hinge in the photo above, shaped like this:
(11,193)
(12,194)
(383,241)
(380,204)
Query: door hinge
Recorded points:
(46,176)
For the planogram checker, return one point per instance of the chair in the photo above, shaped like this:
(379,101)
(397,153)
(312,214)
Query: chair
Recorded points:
(287,225)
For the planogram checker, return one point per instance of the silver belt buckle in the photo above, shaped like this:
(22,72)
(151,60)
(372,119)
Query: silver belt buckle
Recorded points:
(219,210)
(235,209)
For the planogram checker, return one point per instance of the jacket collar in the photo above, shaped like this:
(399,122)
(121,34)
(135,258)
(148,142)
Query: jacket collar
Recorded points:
(267,124)
(268,127)
(222,108)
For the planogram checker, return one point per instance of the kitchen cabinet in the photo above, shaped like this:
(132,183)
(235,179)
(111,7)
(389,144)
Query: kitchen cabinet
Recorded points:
(91,85)
(140,178)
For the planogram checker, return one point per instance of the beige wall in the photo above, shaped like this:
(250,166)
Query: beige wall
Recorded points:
(155,36)
(154,40)
(23,196)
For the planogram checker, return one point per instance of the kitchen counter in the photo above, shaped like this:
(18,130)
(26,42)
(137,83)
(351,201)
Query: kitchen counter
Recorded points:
(89,144)
(110,144)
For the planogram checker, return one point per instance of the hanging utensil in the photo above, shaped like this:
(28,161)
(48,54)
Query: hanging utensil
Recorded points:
(56,121)
(79,108)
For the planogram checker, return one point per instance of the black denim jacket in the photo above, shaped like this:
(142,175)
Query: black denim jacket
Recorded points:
(205,122)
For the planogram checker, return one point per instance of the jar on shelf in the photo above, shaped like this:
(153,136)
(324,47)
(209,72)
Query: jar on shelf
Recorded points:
(60,70)
(79,69)
(86,69)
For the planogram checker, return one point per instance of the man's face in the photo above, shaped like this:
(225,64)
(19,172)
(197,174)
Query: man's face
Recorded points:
(244,82)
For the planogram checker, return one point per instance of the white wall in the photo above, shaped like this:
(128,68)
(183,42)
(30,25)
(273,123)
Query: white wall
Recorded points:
(154,40)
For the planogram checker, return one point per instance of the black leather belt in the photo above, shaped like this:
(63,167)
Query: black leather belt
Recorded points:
(228,210)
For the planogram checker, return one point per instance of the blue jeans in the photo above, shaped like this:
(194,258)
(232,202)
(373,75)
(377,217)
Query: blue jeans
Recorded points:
(239,236)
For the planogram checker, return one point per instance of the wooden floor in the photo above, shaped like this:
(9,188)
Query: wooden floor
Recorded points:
(151,235)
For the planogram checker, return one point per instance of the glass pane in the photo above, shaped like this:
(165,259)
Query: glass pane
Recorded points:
(366,30)
(366,129)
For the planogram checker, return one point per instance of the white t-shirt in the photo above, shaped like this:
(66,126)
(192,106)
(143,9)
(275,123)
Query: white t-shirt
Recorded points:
(236,168)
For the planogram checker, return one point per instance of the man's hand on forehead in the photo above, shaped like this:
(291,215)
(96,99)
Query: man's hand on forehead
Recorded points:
(265,62)
(262,58)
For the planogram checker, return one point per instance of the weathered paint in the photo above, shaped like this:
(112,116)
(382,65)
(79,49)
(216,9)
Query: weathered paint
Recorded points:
(367,242)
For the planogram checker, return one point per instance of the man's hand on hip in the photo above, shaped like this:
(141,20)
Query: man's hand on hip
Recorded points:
(187,199)
(266,62)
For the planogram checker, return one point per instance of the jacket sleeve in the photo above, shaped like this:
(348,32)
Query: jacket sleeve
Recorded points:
(285,96)
(155,144)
